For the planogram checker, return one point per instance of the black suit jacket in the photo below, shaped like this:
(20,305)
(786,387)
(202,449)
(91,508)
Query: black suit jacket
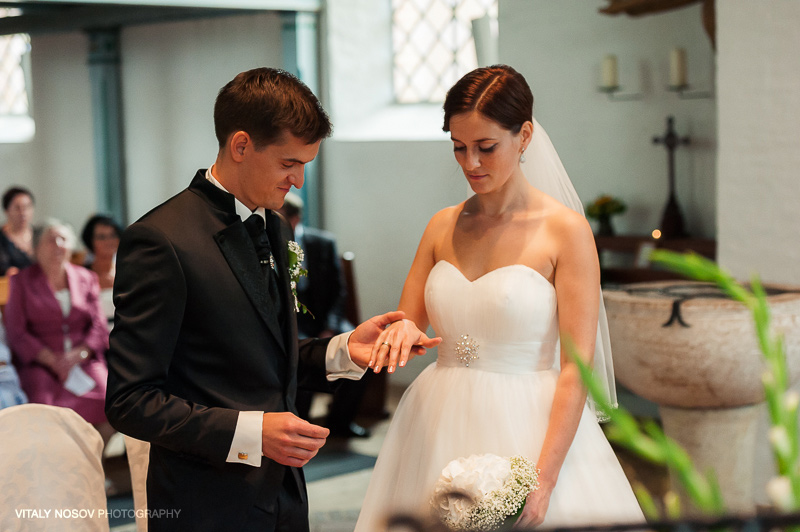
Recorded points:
(323,289)
(196,340)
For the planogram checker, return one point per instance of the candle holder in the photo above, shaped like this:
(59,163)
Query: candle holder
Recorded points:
(684,92)
(678,80)
(614,94)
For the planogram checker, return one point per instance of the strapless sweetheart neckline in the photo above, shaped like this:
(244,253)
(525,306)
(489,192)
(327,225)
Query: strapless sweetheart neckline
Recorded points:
(490,272)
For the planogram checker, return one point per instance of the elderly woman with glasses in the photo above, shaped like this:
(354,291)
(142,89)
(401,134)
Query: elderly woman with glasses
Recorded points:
(57,331)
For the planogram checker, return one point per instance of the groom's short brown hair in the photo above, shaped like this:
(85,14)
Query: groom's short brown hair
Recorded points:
(266,103)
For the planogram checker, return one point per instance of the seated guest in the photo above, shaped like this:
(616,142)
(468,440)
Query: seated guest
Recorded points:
(56,329)
(16,236)
(11,393)
(101,235)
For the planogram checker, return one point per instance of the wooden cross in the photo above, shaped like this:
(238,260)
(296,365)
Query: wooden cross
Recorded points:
(672,220)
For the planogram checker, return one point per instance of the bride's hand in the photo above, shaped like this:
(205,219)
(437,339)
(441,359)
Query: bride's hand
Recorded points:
(535,509)
(399,342)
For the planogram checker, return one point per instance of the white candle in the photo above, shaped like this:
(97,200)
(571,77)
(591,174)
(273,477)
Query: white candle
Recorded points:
(610,71)
(677,68)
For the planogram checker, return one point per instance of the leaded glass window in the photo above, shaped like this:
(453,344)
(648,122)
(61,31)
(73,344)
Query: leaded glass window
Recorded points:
(433,45)
(13,92)
(16,123)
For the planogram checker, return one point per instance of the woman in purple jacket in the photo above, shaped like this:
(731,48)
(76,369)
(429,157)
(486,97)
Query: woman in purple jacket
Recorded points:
(57,331)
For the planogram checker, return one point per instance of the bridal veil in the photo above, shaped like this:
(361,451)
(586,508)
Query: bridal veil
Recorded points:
(544,170)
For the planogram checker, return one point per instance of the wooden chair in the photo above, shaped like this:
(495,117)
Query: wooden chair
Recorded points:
(351,309)
(3,292)
(374,403)
(78,257)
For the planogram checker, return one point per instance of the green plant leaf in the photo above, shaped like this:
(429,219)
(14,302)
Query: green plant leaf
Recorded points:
(646,502)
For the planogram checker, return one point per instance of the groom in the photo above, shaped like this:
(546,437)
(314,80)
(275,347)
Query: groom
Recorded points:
(204,361)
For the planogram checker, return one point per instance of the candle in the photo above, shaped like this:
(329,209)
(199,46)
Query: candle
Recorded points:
(677,68)
(610,71)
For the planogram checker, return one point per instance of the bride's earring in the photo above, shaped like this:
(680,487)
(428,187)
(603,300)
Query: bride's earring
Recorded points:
(522,157)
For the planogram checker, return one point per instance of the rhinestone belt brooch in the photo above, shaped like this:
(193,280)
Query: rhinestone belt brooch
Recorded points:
(466,349)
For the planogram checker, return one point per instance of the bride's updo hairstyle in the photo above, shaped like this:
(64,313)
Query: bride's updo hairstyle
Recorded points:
(498,92)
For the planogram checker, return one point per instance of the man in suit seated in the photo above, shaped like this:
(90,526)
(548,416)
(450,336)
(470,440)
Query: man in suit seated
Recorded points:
(324,293)
(204,360)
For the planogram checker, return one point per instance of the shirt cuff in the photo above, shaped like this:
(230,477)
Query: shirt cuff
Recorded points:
(246,444)
(338,363)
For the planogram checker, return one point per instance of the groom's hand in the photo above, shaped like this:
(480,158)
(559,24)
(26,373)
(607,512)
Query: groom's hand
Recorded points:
(364,336)
(290,440)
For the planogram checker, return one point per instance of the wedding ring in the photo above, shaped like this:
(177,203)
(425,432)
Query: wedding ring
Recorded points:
(386,343)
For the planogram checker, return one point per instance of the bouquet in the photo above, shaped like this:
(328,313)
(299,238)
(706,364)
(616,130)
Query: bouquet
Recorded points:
(481,491)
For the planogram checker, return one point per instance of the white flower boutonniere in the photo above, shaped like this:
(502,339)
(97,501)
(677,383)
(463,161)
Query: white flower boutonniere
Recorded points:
(296,256)
(481,492)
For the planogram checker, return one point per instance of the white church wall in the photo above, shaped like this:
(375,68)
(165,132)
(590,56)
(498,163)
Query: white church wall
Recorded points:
(759,137)
(606,146)
(357,59)
(759,101)
(171,76)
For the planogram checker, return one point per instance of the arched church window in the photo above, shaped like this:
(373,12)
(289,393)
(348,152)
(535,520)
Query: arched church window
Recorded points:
(433,45)
(15,105)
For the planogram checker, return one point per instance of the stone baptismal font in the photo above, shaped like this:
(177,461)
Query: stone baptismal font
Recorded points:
(693,351)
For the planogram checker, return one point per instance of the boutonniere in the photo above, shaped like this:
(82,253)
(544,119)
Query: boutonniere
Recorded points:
(296,256)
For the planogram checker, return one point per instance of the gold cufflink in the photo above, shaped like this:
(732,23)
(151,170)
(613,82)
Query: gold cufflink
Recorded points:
(242,456)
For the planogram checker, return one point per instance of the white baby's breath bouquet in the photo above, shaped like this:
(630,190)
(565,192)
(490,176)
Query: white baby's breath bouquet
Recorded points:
(481,491)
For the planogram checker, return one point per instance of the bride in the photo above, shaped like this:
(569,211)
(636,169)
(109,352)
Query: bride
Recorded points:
(500,277)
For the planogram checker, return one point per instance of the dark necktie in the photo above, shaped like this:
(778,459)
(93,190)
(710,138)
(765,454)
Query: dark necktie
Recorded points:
(258,234)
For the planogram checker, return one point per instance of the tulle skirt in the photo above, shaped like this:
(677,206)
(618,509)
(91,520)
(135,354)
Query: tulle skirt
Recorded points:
(454,412)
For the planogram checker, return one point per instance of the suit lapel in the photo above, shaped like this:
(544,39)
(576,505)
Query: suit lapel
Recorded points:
(236,246)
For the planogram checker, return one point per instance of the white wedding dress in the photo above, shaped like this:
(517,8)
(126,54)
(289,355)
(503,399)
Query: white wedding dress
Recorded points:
(498,404)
